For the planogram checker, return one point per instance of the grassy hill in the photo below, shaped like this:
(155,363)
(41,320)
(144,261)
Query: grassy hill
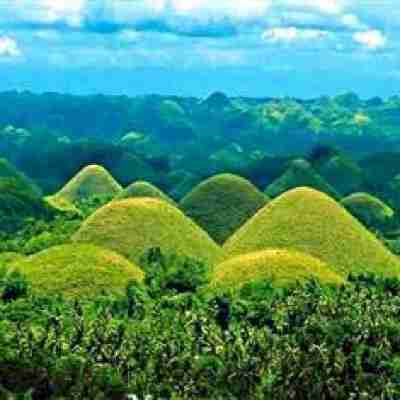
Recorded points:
(90,181)
(281,267)
(368,209)
(78,271)
(133,226)
(223,203)
(143,189)
(309,221)
(300,173)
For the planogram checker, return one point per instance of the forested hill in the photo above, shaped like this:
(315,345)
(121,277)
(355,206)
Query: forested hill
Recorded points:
(51,136)
(110,117)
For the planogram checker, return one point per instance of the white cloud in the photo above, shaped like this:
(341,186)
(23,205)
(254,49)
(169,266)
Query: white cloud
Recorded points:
(372,39)
(292,34)
(229,8)
(324,6)
(70,12)
(9,47)
(352,21)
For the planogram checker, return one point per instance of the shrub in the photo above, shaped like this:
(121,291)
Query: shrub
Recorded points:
(172,274)
(13,285)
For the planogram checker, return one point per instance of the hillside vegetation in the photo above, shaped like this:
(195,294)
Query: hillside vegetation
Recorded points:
(143,189)
(298,174)
(221,204)
(78,271)
(90,181)
(309,221)
(280,267)
(133,226)
(370,210)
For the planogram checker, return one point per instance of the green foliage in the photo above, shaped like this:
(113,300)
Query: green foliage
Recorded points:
(20,181)
(300,343)
(17,205)
(90,204)
(171,274)
(13,285)
(37,235)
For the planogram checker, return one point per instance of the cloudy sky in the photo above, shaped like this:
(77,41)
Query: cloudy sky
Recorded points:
(192,47)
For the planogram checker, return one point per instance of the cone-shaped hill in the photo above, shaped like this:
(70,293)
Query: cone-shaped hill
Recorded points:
(20,181)
(78,271)
(133,226)
(223,203)
(143,189)
(368,209)
(342,174)
(309,221)
(300,173)
(90,181)
(281,267)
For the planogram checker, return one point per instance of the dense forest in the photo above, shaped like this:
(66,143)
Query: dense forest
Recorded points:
(52,136)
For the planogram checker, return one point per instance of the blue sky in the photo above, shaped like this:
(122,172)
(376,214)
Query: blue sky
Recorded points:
(299,48)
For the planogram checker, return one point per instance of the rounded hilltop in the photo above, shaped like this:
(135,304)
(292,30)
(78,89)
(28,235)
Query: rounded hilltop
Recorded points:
(281,267)
(143,189)
(78,271)
(93,180)
(311,222)
(368,209)
(300,173)
(133,226)
(223,203)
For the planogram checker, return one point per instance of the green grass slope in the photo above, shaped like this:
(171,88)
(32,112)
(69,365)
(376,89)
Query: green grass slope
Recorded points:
(90,181)
(78,271)
(223,203)
(368,209)
(309,221)
(133,226)
(62,204)
(10,257)
(300,173)
(281,267)
(143,189)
